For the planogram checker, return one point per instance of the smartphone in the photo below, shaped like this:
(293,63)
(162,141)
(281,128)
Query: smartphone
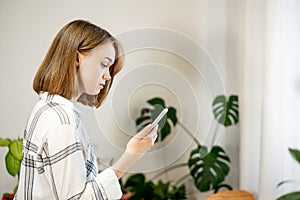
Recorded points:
(159,117)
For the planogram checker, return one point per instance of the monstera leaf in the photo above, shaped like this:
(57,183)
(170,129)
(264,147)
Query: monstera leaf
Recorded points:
(226,112)
(148,115)
(208,169)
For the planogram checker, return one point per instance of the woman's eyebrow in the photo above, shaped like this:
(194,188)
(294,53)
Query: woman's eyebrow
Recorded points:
(109,59)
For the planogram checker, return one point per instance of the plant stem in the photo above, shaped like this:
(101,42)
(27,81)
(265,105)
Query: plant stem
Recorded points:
(182,179)
(189,133)
(214,135)
(169,169)
(218,187)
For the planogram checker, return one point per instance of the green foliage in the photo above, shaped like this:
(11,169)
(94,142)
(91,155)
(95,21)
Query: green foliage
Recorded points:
(148,115)
(12,164)
(4,142)
(163,191)
(296,154)
(139,187)
(177,192)
(294,195)
(14,156)
(226,112)
(148,190)
(208,169)
(290,196)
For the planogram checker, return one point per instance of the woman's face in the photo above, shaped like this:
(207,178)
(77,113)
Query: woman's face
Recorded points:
(93,69)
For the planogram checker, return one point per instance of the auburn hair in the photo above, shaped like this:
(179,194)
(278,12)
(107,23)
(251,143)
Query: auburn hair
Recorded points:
(56,74)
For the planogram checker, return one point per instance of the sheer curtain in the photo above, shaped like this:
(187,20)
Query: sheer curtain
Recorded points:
(270,97)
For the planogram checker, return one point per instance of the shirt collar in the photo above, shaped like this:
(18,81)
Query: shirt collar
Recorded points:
(60,100)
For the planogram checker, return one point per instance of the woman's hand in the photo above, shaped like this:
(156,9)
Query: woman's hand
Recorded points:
(136,147)
(142,141)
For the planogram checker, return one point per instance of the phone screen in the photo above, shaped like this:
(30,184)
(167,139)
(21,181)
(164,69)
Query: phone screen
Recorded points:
(160,116)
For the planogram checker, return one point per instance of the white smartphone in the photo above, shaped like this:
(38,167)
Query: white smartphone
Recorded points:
(159,117)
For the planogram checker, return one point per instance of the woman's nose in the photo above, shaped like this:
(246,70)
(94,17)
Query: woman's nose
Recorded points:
(106,75)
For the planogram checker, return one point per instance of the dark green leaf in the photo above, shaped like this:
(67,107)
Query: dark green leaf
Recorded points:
(155,112)
(12,164)
(145,111)
(177,192)
(149,115)
(226,112)
(139,187)
(219,99)
(4,142)
(15,149)
(160,189)
(142,119)
(296,154)
(136,179)
(208,170)
(164,132)
(290,196)
(172,115)
(157,101)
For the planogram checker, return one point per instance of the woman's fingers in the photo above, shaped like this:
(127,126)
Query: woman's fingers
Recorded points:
(148,131)
(143,141)
(153,134)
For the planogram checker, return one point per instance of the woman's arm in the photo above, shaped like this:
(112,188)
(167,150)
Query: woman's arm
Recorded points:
(136,148)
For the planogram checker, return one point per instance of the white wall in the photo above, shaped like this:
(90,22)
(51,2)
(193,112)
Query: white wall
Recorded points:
(28,27)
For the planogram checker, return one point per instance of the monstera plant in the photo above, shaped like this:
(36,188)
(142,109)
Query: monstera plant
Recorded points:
(149,114)
(207,167)
(140,188)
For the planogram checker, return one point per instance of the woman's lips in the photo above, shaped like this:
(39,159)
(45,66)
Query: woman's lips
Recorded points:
(102,85)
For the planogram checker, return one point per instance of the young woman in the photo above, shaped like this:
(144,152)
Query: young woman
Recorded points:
(59,161)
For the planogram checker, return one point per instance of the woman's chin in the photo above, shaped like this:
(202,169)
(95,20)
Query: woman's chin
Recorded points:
(95,92)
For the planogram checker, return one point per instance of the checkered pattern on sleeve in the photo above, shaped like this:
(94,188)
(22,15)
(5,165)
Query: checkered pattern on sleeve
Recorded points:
(59,161)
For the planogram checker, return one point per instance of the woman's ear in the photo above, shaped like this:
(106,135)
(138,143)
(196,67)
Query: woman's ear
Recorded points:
(79,59)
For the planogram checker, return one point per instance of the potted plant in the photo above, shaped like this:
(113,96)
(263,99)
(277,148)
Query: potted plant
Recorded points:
(13,160)
(293,195)
(137,187)
(208,168)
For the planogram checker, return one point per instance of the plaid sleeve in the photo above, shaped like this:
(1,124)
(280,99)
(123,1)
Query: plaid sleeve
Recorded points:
(104,186)
(110,184)
(67,170)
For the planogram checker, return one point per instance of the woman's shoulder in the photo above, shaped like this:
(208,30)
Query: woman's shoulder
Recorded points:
(53,114)
(45,118)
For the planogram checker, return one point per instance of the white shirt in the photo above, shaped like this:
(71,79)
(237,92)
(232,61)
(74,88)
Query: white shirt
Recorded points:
(59,161)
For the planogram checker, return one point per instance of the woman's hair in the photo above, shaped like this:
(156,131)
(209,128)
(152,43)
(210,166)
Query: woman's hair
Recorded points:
(57,72)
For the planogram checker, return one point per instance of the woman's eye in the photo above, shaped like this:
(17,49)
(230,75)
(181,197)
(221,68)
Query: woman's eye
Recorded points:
(104,65)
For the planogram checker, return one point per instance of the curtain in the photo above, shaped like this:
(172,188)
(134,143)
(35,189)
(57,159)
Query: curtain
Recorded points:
(270,98)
